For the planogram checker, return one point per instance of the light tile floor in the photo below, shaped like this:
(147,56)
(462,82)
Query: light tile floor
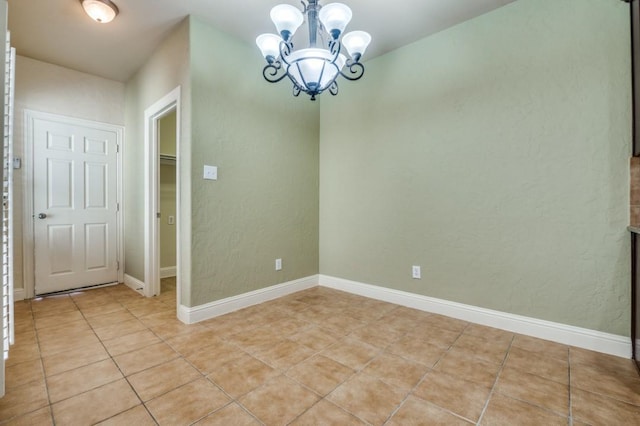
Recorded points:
(318,357)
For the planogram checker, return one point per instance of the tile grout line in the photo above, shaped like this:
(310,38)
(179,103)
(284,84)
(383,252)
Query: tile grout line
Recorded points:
(283,373)
(46,381)
(115,299)
(44,377)
(424,376)
(426,373)
(77,308)
(429,370)
(162,339)
(569,387)
(147,328)
(325,397)
(495,382)
(233,400)
(115,363)
(355,371)
(382,350)
(180,356)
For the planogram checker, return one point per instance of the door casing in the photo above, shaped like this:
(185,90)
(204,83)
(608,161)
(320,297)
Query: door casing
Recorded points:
(152,115)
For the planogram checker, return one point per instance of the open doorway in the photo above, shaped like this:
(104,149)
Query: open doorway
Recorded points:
(167,132)
(162,183)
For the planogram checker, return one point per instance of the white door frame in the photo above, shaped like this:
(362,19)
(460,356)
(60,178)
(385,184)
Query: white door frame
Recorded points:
(28,245)
(152,115)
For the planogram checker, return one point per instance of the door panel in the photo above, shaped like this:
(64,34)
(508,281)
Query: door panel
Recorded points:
(75,205)
(96,186)
(59,172)
(59,142)
(60,248)
(96,238)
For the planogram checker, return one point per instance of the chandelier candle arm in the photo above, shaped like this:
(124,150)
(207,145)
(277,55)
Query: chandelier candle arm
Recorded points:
(314,69)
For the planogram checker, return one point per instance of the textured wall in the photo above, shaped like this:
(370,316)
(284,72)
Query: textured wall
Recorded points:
(50,88)
(167,68)
(494,155)
(265,143)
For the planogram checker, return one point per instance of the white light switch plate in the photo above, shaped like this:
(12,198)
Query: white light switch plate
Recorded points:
(210,172)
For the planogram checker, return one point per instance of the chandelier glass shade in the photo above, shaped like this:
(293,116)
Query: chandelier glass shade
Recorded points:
(314,69)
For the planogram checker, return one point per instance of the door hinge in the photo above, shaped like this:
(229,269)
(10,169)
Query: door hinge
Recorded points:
(117,148)
(117,207)
(117,265)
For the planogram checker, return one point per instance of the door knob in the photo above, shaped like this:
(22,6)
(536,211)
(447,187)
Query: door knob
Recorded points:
(42,216)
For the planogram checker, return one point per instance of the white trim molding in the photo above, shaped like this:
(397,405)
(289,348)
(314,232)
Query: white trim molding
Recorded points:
(18,294)
(611,344)
(234,303)
(134,283)
(169,271)
(159,109)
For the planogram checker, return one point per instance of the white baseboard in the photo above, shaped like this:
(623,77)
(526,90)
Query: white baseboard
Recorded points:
(230,304)
(134,283)
(169,271)
(566,334)
(18,294)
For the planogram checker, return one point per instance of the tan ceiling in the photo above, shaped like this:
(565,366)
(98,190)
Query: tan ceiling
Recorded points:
(58,31)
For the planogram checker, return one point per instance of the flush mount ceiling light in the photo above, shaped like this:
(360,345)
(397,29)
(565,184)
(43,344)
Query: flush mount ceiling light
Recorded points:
(316,68)
(102,11)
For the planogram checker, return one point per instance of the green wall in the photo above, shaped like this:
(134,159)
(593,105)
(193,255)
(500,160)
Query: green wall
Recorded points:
(495,155)
(264,204)
(166,69)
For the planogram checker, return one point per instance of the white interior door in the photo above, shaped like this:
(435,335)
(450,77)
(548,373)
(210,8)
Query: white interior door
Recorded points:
(74,205)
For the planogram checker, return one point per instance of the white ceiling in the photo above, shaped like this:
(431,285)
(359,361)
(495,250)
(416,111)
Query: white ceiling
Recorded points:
(59,32)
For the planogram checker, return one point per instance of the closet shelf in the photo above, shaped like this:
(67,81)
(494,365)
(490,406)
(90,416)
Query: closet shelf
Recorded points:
(167,159)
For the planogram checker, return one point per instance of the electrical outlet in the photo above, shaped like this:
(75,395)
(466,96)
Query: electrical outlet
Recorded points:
(415,272)
(278,264)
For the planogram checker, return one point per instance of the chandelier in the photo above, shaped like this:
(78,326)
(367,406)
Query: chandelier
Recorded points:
(316,68)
